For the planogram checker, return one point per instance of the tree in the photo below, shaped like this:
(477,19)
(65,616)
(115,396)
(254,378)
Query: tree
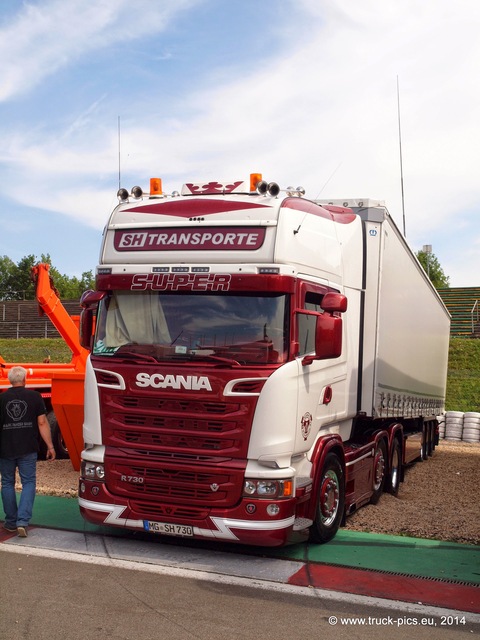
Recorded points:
(433,269)
(16,280)
(7,270)
(71,288)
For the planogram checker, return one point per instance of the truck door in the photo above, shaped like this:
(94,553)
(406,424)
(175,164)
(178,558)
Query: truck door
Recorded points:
(322,384)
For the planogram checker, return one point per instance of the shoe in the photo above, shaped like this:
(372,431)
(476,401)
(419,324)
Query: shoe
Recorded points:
(9,528)
(22,532)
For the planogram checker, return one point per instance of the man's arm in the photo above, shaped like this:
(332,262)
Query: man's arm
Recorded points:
(44,428)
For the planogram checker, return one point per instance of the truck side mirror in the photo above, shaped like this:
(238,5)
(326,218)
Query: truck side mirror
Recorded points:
(328,330)
(89,301)
(334,302)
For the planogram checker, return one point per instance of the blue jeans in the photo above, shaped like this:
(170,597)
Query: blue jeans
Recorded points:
(18,516)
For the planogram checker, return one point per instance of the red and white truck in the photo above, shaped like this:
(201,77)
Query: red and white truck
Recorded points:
(261,365)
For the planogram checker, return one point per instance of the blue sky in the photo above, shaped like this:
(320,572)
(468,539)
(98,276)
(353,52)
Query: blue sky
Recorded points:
(303,91)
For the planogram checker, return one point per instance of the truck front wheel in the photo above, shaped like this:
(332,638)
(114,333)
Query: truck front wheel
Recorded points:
(330,502)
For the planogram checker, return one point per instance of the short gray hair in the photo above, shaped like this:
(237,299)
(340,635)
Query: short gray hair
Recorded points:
(17,375)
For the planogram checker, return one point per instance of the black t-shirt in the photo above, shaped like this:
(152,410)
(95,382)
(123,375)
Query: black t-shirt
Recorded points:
(19,410)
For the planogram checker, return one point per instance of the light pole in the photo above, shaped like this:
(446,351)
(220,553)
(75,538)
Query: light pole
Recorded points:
(427,248)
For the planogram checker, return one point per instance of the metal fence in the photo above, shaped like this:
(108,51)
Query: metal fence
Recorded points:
(17,330)
(21,319)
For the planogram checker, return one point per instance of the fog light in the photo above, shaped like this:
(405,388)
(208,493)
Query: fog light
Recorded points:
(273,509)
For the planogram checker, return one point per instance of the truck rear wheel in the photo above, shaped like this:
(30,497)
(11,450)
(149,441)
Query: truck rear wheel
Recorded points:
(331,501)
(395,469)
(379,470)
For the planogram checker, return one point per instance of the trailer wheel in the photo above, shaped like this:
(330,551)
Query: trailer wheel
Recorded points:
(379,471)
(61,450)
(425,444)
(331,501)
(395,469)
(431,439)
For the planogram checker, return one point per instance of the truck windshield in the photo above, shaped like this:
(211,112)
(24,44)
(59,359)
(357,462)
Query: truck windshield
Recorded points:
(230,328)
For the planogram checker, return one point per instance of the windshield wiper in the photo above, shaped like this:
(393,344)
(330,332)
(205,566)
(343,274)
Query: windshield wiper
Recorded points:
(207,353)
(141,356)
(210,356)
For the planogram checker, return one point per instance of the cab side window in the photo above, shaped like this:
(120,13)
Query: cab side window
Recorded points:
(307,323)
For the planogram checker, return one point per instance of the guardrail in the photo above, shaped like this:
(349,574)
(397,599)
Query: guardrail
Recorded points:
(17,330)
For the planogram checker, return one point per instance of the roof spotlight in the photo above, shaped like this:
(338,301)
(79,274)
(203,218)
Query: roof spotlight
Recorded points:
(300,191)
(137,192)
(262,187)
(122,195)
(273,189)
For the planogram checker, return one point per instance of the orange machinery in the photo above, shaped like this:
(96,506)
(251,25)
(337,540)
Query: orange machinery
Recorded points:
(60,384)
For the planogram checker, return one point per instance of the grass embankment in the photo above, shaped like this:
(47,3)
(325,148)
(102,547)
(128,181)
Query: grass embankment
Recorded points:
(31,350)
(463,384)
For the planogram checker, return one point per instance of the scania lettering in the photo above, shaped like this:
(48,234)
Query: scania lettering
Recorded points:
(260,365)
(157,381)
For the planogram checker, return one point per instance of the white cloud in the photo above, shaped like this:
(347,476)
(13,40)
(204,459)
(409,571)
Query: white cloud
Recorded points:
(51,35)
(321,113)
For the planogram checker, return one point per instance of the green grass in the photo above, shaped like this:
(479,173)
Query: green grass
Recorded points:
(31,350)
(463,383)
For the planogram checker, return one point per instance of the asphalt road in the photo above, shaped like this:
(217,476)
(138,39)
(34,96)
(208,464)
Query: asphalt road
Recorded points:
(44,597)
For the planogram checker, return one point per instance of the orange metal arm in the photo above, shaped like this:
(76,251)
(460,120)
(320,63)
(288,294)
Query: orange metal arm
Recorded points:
(51,305)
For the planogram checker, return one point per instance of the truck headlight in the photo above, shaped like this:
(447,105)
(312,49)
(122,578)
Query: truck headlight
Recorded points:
(249,487)
(262,488)
(267,488)
(93,470)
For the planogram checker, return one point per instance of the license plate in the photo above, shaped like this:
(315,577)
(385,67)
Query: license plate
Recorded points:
(168,529)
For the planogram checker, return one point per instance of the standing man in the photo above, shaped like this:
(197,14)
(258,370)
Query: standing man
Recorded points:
(22,419)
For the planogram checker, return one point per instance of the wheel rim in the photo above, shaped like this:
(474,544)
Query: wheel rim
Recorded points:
(329,497)
(379,469)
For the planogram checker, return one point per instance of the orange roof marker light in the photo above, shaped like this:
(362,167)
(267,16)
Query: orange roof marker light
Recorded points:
(156,187)
(255,178)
